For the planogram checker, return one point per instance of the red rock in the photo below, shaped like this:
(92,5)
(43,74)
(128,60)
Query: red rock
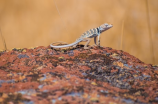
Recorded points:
(98,75)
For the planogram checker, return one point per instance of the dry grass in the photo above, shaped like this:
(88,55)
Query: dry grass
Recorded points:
(3,40)
(33,23)
(150,33)
(122,33)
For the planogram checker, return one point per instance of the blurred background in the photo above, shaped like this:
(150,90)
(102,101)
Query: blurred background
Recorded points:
(31,23)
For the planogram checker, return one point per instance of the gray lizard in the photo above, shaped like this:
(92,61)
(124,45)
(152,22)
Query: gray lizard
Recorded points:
(92,33)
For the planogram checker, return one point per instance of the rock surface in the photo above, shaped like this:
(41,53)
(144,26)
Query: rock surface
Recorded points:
(100,75)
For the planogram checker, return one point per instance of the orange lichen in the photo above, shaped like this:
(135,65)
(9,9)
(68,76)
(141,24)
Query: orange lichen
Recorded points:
(98,75)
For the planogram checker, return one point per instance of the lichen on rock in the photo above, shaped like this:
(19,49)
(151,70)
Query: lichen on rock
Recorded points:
(98,75)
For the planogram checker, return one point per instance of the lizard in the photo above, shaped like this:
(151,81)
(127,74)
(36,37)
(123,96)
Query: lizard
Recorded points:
(86,36)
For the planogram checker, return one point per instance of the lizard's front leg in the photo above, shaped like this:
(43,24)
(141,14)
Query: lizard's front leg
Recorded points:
(99,41)
(95,41)
(88,41)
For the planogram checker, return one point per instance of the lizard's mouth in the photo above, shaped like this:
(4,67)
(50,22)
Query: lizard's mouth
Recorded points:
(105,27)
(108,25)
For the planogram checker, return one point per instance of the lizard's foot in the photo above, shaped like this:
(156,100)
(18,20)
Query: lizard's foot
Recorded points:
(98,43)
(74,46)
(95,45)
(86,47)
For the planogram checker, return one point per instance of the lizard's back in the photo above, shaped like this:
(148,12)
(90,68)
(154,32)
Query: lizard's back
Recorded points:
(90,33)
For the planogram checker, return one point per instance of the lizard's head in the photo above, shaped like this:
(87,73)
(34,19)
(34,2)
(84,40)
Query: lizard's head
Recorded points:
(105,27)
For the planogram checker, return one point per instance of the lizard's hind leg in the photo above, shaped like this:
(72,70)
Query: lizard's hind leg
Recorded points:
(74,46)
(88,41)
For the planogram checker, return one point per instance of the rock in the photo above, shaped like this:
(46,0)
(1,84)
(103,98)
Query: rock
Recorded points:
(98,75)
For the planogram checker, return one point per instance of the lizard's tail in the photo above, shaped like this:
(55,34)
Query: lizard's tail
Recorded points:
(63,46)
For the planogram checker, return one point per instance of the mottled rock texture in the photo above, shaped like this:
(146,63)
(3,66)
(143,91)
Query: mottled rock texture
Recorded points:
(100,75)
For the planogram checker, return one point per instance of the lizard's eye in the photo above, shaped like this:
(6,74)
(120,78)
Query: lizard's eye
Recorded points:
(106,25)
